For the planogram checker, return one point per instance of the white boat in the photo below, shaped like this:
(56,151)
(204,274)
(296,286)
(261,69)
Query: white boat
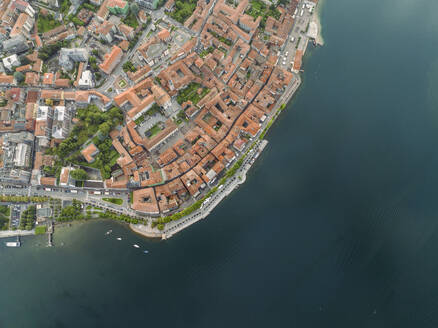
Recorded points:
(13,244)
(145,252)
(118,238)
(108,232)
(136,246)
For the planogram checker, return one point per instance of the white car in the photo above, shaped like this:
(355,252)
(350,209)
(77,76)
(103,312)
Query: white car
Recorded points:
(292,39)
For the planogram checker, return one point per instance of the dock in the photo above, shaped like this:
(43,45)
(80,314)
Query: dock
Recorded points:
(50,231)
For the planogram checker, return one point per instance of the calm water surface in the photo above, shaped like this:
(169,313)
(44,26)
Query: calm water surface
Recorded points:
(337,225)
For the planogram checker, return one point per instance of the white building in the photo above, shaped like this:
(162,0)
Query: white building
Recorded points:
(30,11)
(43,113)
(22,155)
(11,62)
(86,80)
(60,123)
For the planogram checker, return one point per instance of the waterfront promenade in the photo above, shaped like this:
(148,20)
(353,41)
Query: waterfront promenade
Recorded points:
(15,233)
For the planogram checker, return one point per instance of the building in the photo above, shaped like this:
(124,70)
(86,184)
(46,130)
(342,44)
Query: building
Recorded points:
(15,45)
(144,201)
(25,7)
(170,4)
(23,26)
(111,60)
(106,31)
(164,35)
(64,178)
(67,57)
(22,155)
(90,152)
(16,156)
(61,123)
(126,31)
(118,7)
(149,4)
(11,62)
(86,80)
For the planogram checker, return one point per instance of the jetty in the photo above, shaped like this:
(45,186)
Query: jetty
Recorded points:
(50,231)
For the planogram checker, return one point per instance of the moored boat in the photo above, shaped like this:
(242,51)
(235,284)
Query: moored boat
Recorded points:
(13,244)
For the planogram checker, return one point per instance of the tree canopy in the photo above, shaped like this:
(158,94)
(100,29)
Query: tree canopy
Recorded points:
(79,174)
(19,77)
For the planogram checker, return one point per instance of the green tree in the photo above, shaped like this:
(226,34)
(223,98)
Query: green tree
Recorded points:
(79,174)
(105,128)
(19,77)
(134,8)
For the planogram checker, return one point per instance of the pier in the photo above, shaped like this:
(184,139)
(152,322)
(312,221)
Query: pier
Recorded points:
(50,231)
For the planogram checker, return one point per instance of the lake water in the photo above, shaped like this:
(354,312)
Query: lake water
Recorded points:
(336,226)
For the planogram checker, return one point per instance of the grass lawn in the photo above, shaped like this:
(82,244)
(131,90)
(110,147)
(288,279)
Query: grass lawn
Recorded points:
(153,131)
(183,10)
(191,93)
(5,212)
(40,230)
(130,20)
(117,201)
(226,41)
(46,23)
(122,83)
(258,8)
(65,6)
(139,120)
(4,223)
(114,156)
(207,51)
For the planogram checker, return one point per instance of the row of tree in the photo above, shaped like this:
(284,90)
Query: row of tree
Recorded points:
(28,218)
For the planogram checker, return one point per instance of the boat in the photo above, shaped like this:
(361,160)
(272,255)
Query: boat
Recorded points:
(118,238)
(108,232)
(136,246)
(145,252)
(13,244)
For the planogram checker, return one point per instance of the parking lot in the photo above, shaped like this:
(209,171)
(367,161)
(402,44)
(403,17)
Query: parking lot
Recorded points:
(297,38)
(15,216)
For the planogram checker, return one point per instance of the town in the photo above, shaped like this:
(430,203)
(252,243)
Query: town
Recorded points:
(146,111)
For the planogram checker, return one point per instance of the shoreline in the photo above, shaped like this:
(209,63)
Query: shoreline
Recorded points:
(230,185)
(317,20)
(218,191)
